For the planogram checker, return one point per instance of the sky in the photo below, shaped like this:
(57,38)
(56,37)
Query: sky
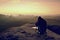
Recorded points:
(30,7)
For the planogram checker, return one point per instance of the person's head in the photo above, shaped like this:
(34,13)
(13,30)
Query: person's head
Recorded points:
(39,18)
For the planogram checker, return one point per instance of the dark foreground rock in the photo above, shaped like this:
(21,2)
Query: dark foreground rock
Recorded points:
(26,33)
(54,28)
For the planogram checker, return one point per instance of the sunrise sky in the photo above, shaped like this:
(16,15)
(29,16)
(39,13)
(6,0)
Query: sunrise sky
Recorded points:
(30,7)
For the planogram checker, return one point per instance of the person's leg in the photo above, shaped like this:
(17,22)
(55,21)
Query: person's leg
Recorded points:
(42,30)
(43,33)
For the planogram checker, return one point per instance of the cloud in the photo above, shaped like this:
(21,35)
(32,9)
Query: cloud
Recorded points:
(3,2)
(52,5)
(42,0)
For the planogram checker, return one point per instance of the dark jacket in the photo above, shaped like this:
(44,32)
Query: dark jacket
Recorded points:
(41,22)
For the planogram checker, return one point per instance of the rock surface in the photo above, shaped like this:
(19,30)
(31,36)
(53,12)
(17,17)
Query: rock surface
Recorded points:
(26,32)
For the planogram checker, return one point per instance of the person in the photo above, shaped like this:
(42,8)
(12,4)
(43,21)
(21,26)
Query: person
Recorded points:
(42,25)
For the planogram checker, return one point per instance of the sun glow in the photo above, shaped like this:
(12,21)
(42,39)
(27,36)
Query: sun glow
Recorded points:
(24,9)
(29,7)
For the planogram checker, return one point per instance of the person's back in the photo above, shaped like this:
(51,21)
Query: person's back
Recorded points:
(41,24)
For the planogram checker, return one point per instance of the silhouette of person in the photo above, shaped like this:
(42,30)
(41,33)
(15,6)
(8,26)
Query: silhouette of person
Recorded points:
(41,24)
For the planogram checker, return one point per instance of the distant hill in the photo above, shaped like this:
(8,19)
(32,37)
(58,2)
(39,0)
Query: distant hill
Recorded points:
(7,21)
(52,20)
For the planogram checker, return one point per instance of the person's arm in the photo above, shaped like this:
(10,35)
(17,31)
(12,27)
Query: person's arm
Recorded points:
(36,23)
